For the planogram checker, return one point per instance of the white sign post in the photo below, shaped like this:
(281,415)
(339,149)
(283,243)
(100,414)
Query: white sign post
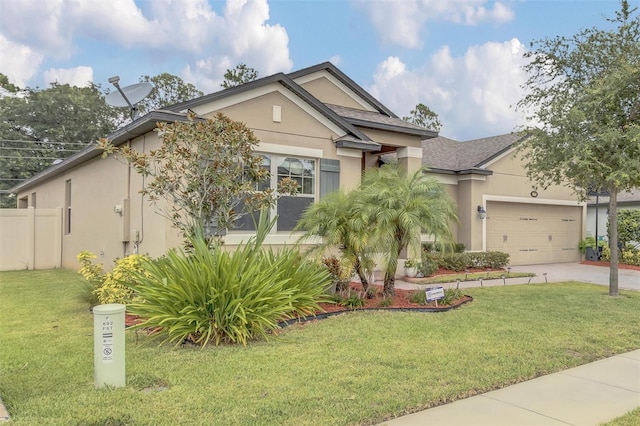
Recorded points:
(108,345)
(436,294)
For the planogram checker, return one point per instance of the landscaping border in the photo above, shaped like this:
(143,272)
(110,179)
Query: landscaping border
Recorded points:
(324,315)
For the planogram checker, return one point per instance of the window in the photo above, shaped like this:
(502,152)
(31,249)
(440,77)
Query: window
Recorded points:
(67,207)
(289,209)
(33,200)
(23,202)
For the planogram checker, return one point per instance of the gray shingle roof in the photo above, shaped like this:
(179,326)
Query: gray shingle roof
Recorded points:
(447,154)
(632,196)
(377,120)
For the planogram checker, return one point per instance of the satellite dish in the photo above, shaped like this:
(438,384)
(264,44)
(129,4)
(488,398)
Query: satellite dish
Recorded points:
(128,95)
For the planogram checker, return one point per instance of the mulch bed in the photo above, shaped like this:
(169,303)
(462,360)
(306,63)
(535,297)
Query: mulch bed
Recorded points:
(400,300)
(607,264)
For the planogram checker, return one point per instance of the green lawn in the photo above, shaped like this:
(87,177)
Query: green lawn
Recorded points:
(355,368)
(632,418)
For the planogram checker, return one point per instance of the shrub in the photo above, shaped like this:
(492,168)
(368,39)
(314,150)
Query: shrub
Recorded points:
(456,262)
(341,271)
(385,302)
(419,297)
(461,261)
(427,267)
(114,286)
(411,263)
(450,295)
(630,256)
(211,295)
(352,299)
(92,273)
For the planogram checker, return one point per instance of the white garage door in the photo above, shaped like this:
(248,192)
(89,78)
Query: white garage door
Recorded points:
(534,233)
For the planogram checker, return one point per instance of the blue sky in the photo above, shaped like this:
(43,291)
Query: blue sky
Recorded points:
(462,58)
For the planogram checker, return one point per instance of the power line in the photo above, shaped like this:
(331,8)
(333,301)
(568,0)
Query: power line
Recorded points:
(10,148)
(2,157)
(44,142)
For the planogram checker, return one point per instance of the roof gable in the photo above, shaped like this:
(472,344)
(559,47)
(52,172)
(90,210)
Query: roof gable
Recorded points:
(447,154)
(345,83)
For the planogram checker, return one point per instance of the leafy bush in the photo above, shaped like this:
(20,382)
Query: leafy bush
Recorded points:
(456,261)
(341,271)
(114,286)
(352,299)
(450,295)
(212,295)
(93,275)
(411,263)
(385,302)
(630,256)
(427,267)
(419,297)
(629,227)
(460,261)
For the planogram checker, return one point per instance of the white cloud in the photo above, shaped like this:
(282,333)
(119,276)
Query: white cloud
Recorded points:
(186,29)
(473,94)
(242,36)
(78,76)
(402,22)
(18,62)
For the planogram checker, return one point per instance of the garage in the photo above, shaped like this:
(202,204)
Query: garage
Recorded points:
(534,233)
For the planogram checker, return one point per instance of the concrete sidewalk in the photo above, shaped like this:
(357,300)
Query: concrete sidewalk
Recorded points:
(586,395)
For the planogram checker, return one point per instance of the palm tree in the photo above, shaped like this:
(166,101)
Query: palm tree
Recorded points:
(335,221)
(399,207)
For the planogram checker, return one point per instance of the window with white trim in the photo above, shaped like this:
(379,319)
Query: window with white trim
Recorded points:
(289,209)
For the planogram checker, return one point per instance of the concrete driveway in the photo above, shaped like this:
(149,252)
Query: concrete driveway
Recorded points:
(554,272)
(627,279)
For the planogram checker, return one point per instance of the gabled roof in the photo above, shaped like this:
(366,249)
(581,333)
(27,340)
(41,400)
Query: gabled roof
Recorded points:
(442,153)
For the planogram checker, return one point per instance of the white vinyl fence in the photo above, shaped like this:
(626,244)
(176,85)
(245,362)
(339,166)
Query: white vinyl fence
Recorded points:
(30,239)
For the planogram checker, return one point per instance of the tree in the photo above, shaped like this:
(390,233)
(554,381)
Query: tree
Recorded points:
(204,170)
(239,75)
(399,207)
(168,89)
(583,93)
(423,116)
(340,226)
(7,85)
(46,125)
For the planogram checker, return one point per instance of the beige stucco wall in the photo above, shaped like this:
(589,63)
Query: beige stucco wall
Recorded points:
(325,91)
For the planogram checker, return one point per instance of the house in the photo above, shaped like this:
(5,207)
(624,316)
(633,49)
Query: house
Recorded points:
(600,204)
(498,206)
(316,122)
